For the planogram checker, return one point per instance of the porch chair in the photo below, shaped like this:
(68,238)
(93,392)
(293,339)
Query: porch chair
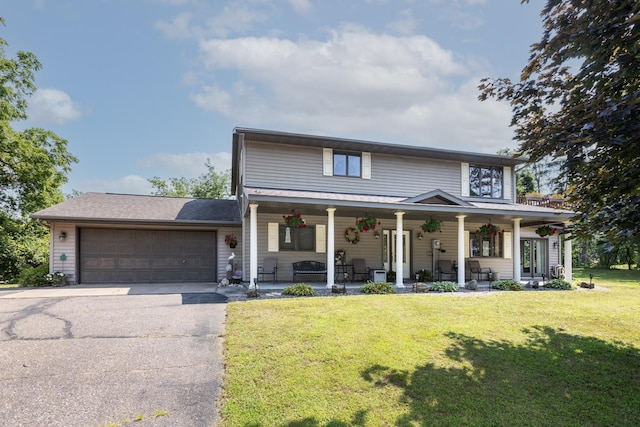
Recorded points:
(475,268)
(269,268)
(360,268)
(445,268)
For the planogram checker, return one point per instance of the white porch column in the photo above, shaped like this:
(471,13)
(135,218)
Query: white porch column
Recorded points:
(461,265)
(253,244)
(331,262)
(516,249)
(399,250)
(568,258)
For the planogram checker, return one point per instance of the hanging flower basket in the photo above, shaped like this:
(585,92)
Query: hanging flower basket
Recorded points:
(294,220)
(231,240)
(352,235)
(489,230)
(545,230)
(431,226)
(367,223)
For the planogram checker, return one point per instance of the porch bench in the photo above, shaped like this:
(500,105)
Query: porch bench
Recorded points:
(309,267)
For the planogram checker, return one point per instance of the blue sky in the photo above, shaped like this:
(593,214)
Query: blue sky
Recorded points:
(144,88)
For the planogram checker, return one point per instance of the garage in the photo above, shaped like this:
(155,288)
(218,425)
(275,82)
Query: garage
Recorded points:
(154,256)
(102,238)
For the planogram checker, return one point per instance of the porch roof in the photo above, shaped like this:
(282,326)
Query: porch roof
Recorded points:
(275,200)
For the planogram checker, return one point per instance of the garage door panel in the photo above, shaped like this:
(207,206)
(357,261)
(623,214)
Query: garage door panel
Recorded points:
(129,256)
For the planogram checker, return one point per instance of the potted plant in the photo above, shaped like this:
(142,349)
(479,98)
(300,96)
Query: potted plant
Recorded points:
(545,230)
(489,230)
(294,220)
(367,223)
(431,226)
(231,240)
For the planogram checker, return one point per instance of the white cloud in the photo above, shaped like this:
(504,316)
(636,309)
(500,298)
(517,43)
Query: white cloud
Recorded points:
(234,18)
(301,6)
(52,106)
(130,184)
(187,165)
(356,83)
(179,28)
(461,13)
(404,24)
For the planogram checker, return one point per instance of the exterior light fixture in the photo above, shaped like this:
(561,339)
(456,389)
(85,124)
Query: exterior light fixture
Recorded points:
(63,236)
(419,236)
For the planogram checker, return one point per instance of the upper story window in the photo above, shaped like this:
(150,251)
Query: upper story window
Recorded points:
(342,163)
(346,164)
(486,181)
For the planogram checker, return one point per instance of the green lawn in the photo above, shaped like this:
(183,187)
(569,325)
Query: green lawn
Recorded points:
(534,358)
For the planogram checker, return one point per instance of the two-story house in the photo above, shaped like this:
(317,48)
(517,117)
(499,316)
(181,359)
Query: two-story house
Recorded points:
(329,184)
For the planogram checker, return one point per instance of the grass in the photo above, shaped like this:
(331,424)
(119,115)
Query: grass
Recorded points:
(9,285)
(569,358)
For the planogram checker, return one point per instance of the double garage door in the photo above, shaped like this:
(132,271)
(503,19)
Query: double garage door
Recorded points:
(146,256)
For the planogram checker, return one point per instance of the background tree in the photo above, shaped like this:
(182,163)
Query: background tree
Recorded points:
(34,164)
(209,185)
(577,101)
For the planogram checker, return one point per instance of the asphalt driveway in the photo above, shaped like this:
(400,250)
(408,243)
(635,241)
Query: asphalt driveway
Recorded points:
(111,359)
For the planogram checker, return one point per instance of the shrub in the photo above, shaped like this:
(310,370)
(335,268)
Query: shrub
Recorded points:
(35,276)
(377,288)
(444,287)
(424,275)
(299,290)
(558,284)
(507,285)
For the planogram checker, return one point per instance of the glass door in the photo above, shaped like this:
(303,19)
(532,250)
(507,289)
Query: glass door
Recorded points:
(389,252)
(533,257)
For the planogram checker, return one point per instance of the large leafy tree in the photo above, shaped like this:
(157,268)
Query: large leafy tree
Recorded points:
(209,185)
(578,100)
(34,164)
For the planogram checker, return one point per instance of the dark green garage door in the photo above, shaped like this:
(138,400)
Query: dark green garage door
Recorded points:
(146,256)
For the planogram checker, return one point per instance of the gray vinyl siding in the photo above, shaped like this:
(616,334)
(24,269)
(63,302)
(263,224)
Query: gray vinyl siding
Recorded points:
(300,168)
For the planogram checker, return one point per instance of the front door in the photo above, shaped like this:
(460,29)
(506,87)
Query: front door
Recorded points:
(533,257)
(389,252)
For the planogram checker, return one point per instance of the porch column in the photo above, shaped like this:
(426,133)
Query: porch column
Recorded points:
(568,259)
(253,244)
(461,264)
(399,250)
(516,249)
(331,262)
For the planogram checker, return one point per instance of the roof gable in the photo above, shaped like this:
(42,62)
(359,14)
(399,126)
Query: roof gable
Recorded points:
(437,197)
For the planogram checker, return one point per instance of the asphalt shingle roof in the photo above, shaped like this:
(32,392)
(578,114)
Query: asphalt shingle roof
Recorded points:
(137,208)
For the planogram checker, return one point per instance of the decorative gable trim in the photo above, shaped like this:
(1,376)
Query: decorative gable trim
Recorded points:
(437,197)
